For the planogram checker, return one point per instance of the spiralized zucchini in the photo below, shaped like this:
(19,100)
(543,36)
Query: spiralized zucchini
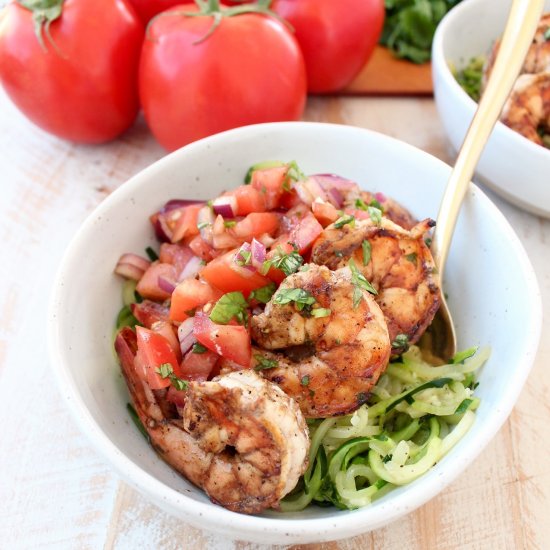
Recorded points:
(416,414)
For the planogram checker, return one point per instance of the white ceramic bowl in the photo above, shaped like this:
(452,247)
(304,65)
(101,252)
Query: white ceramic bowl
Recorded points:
(511,165)
(491,285)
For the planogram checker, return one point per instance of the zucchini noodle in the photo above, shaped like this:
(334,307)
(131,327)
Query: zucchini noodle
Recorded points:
(415,415)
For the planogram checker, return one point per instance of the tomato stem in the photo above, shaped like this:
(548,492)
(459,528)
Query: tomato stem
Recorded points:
(44,13)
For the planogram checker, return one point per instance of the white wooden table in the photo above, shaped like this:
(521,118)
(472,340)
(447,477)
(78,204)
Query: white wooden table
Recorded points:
(57,492)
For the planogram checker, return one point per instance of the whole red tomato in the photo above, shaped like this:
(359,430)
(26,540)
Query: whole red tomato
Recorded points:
(80,81)
(336,37)
(147,9)
(248,70)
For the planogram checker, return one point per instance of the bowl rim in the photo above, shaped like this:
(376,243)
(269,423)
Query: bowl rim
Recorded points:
(244,527)
(440,63)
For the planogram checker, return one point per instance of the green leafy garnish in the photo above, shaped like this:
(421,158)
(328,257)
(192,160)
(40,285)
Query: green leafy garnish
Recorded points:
(461,356)
(410,25)
(344,220)
(153,256)
(305,380)
(375,214)
(470,77)
(229,306)
(243,257)
(294,173)
(360,283)
(401,341)
(301,298)
(288,263)
(263,294)
(320,312)
(412,257)
(198,348)
(367,249)
(264,363)
(229,223)
(166,371)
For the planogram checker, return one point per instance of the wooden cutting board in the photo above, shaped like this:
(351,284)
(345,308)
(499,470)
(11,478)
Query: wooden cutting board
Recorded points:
(384,74)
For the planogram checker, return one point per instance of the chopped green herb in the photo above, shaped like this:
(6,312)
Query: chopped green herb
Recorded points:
(301,298)
(294,173)
(166,371)
(428,241)
(375,214)
(367,249)
(229,306)
(401,341)
(344,220)
(264,363)
(361,204)
(412,257)
(461,356)
(305,380)
(243,257)
(263,294)
(469,78)
(320,312)
(229,223)
(360,283)
(202,225)
(198,348)
(153,256)
(287,263)
(463,407)
(375,203)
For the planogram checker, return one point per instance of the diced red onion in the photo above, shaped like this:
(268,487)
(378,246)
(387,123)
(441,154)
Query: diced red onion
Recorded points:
(330,181)
(162,230)
(380,197)
(185,335)
(132,266)
(315,188)
(177,203)
(225,206)
(192,267)
(335,197)
(245,270)
(205,220)
(258,253)
(303,192)
(166,285)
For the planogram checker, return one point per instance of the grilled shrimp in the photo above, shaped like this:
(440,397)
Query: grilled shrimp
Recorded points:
(328,364)
(537,59)
(390,207)
(527,110)
(398,264)
(239,437)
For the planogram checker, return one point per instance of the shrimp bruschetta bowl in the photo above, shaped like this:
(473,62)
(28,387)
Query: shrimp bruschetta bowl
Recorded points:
(516,161)
(316,304)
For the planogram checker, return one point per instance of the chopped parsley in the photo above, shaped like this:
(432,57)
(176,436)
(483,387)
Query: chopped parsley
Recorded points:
(198,348)
(305,380)
(375,214)
(412,257)
(301,298)
(320,312)
(288,263)
(362,205)
(229,306)
(360,283)
(367,250)
(401,341)
(229,223)
(264,363)
(263,294)
(243,257)
(166,371)
(344,220)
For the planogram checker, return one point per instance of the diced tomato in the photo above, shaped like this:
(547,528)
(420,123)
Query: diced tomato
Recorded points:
(249,199)
(280,246)
(325,212)
(147,312)
(357,214)
(270,182)
(166,329)
(148,285)
(305,233)
(230,341)
(289,199)
(198,366)
(256,224)
(176,254)
(190,294)
(153,350)
(223,273)
(201,248)
(180,222)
